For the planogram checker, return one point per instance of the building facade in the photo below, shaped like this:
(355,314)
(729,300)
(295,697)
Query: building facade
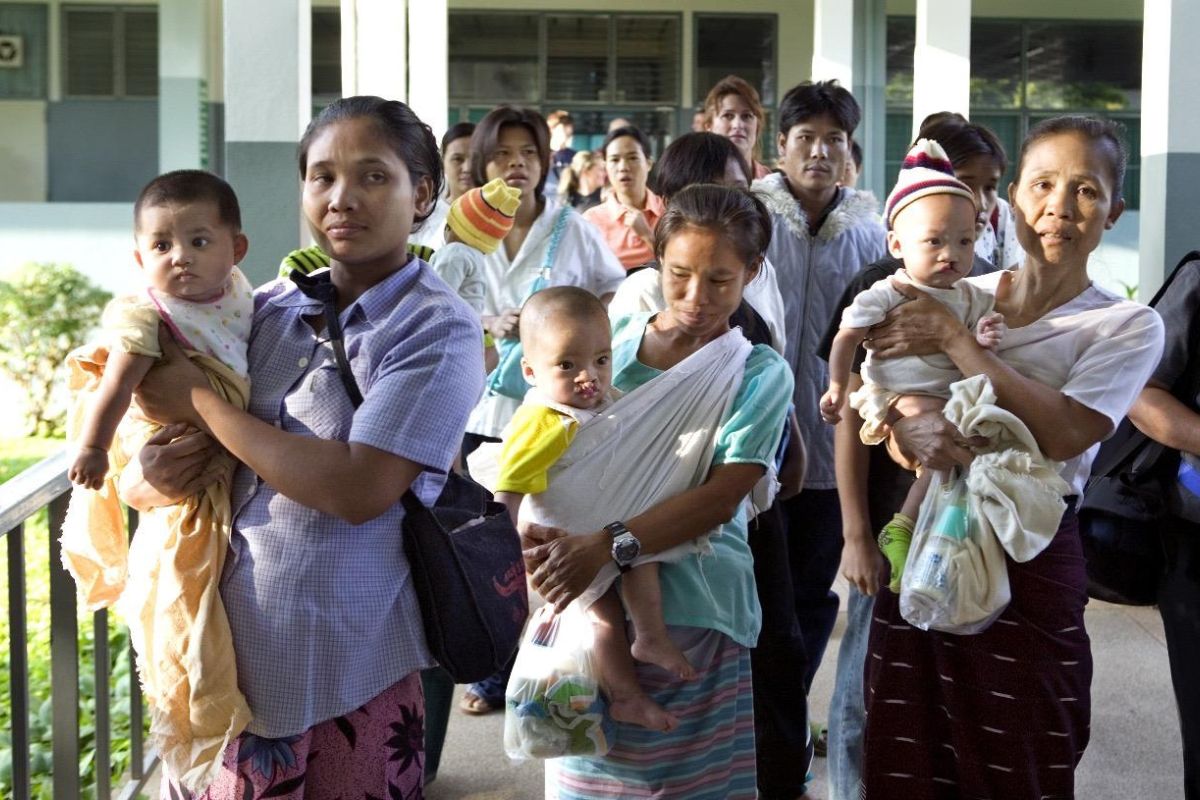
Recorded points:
(98,97)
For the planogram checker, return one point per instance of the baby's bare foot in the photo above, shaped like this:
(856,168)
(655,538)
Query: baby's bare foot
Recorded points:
(662,652)
(639,709)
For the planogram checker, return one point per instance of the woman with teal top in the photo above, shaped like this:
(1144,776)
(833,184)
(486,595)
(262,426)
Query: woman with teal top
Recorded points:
(710,243)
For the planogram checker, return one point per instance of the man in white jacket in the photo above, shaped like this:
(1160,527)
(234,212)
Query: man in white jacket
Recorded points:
(823,235)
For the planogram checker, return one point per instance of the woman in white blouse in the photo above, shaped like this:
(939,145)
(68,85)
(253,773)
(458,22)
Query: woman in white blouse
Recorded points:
(513,143)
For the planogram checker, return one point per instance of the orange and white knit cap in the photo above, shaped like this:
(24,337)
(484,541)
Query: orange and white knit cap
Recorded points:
(482,217)
(926,170)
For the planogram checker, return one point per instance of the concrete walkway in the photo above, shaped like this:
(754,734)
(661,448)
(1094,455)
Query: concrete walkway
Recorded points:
(1134,750)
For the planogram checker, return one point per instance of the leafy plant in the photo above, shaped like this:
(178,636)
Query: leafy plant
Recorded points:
(45,312)
(1131,290)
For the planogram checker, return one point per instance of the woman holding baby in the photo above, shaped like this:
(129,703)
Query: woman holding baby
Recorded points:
(1005,713)
(710,243)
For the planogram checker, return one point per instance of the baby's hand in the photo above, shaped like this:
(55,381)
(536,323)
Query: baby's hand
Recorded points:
(990,330)
(831,405)
(90,467)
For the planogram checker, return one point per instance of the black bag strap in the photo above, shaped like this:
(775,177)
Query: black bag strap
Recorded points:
(1189,382)
(1193,255)
(319,287)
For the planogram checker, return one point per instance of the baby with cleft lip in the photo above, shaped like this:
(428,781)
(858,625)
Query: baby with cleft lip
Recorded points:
(567,341)
(931,227)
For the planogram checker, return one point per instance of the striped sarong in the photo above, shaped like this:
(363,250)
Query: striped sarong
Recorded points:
(1000,715)
(710,756)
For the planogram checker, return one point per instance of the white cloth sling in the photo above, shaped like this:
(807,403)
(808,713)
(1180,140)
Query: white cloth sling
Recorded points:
(651,444)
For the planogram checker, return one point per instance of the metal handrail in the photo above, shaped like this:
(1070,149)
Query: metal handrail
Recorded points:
(25,494)
(45,485)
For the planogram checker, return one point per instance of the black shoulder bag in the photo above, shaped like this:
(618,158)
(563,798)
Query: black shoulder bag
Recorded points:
(465,553)
(1124,502)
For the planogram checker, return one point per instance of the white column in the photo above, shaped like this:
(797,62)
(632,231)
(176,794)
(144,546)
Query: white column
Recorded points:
(942,59)
(374,55)
(833,41)
(1170,181)
(182,84)
(428,63)
(268,103)
(849,44)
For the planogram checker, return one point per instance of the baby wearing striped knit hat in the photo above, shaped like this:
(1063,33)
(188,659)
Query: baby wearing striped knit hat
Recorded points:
(931,228)
(476,225)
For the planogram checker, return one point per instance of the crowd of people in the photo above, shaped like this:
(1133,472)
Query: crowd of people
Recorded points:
(743,279)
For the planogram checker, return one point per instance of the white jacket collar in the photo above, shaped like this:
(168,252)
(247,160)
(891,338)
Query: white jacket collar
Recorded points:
(853,208)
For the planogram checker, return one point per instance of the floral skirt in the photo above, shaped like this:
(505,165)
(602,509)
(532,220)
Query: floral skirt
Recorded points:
(377,750)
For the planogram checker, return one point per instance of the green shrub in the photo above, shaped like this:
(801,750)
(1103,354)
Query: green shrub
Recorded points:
(45,312)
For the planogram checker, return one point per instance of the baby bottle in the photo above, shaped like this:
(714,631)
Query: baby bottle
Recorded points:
(930,577)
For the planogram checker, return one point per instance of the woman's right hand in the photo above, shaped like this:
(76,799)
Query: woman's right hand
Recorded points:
(921,327)
(175,463)
(564,566)
(505,324)
(165,393)
(933,441)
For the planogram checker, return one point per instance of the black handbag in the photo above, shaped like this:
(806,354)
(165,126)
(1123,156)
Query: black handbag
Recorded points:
(465,554)
(1124,504)
(1122,508)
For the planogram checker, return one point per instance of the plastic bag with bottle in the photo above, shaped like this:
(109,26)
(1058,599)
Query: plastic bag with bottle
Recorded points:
(955,578)
(553,706)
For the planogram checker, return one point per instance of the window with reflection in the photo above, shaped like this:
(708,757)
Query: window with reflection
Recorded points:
(647,53)
(735,44)
(1025,71)
(577,57)
(494,57)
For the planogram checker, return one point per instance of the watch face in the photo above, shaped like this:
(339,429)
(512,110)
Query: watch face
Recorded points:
(626,549)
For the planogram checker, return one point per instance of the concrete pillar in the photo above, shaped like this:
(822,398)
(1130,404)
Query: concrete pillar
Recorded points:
(833,41)
(1170,188)
(268,102)
(850,44)
(429,63)
(374,55)
(182,84)
(942,59)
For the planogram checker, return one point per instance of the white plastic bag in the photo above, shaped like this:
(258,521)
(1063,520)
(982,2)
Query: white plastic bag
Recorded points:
(553,706)
(955,578)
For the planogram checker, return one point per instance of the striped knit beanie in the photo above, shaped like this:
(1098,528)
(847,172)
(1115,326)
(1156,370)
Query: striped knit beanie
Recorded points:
(482,217)
(926,170)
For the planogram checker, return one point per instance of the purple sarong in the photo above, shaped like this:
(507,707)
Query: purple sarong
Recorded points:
(1001,715)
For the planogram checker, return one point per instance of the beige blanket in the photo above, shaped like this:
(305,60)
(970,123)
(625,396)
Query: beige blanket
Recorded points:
(165,585)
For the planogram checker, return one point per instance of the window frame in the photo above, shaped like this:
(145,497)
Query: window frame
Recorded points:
(322,99)
(118,13)
(611,88)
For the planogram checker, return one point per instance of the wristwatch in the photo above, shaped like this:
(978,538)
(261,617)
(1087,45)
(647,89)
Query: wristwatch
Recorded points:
(625,546)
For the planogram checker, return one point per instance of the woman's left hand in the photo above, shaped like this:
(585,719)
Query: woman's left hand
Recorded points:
(920,327)
(165,394)
(561,569)
(636,220)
